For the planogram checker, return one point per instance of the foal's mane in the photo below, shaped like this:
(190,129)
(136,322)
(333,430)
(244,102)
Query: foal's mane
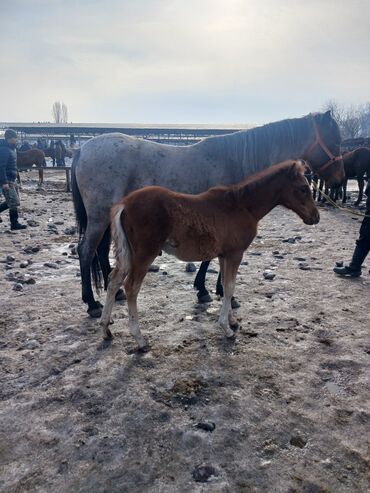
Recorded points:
(250,184)
(264,176)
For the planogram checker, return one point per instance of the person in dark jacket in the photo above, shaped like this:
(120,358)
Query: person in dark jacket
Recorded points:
(8,175)
(362,245)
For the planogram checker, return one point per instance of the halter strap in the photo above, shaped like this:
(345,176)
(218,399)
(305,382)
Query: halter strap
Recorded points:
(318,141)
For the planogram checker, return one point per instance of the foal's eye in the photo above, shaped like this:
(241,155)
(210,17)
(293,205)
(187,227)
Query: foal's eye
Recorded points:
(304,189)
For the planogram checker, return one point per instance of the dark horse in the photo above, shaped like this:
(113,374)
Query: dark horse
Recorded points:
(221,222)
(356,165)
(26,160)
(110,166)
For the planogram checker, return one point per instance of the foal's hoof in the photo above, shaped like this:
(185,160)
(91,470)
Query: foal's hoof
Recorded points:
(234,303)
(108,336)
(205,298)
(233,323)
(120,295)
(96,311)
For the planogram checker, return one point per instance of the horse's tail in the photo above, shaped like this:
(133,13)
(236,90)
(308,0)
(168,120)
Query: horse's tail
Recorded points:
(121,245)
(80,211)
(81,219)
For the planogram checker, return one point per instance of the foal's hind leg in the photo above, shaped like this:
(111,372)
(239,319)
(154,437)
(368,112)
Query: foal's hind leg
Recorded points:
(115,280)
(132,283)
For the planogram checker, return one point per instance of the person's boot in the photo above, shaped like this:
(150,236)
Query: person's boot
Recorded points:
(3,207)
(354,268)
(14,224)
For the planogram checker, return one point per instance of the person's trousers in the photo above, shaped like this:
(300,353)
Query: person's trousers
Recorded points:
(362,245)
(12,201)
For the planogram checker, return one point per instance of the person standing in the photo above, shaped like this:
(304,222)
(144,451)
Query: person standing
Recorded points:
(362,245)
(8,175)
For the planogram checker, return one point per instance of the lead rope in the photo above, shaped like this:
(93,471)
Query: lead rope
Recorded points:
(334,204)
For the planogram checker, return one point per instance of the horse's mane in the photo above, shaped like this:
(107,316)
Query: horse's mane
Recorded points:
(256,148)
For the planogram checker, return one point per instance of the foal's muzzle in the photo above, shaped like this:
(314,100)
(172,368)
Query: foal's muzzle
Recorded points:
(315,219)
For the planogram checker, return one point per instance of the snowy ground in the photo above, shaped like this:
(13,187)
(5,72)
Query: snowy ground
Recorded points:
(284,408)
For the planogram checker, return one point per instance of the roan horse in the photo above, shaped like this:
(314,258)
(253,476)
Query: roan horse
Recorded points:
(110,166)
(221,222)
(26,159)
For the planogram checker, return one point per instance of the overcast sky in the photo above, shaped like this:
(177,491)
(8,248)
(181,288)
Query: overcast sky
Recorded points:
(181,61)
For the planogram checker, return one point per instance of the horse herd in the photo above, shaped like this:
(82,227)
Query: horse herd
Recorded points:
(181,212)
(197,202)
(356,166)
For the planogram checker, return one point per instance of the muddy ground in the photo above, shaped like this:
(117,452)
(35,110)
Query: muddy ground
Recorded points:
(284,408)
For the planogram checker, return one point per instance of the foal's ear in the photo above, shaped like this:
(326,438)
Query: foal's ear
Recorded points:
(297,168)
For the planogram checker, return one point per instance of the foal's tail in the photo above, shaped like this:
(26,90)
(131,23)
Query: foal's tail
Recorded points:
(121,245)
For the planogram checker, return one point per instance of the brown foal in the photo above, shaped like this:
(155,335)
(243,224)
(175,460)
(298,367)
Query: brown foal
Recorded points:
(221,222)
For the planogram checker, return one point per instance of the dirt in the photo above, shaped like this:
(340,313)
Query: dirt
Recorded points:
(283,408)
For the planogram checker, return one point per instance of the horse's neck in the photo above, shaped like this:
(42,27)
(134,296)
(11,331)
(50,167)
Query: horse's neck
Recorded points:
(256,149)
(260,197)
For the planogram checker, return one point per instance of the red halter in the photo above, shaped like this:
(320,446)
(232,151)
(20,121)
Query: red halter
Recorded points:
(318,141)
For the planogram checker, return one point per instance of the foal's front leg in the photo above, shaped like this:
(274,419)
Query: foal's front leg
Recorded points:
(229,268)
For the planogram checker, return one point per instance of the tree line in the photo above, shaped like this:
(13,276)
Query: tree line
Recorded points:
(60,112)
(353,120)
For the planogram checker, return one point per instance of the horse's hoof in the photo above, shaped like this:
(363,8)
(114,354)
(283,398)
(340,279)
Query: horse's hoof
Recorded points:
(120,295)
(96,311)
(231,335)
(206,298)
(143,349)
(234,303)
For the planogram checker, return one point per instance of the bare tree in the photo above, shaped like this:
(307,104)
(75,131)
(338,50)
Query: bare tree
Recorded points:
(57,112)
(351,119)
(336,110)
(64,113)
(352,123)
(60,112)
(365,120)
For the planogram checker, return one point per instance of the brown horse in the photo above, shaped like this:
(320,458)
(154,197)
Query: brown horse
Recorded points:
(221,222)
(26,159)
(356,165)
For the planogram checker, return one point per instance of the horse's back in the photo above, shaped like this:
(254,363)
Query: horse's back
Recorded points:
(112,165)
(357,162)
(30,157)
